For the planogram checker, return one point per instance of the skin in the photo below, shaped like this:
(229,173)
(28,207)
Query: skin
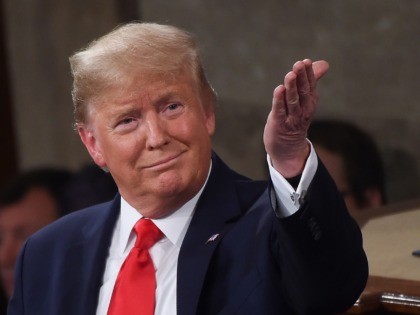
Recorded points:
(294,104)
(17,221)
(154,136)
(155,142)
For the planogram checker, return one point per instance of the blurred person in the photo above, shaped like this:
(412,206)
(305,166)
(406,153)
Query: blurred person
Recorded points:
(36,198)
(353,160)
(29,202)
(186,234)
(88,186)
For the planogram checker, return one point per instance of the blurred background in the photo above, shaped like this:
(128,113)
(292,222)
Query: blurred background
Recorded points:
(373,47)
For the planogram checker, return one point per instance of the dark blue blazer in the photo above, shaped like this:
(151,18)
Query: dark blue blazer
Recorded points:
(309,263)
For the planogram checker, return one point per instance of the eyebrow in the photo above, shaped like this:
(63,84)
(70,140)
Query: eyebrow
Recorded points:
(164,97)
(132,111)
(131,103)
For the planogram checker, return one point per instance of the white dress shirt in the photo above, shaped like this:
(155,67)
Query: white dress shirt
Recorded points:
(174,227)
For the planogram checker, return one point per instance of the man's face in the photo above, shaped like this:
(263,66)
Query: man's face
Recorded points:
(17,222)
(154,137)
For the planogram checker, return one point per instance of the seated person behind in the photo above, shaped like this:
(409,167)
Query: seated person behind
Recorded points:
(90,185)
(353,160)
(31,201)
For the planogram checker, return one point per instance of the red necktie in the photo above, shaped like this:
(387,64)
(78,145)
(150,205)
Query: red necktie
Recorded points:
(134,290)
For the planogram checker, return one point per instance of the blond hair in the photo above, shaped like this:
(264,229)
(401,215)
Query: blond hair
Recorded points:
(129,51)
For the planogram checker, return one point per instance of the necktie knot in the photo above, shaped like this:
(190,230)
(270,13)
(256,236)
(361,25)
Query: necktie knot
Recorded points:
(147,234)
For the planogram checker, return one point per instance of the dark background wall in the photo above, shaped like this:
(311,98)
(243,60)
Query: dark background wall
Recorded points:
(373,48)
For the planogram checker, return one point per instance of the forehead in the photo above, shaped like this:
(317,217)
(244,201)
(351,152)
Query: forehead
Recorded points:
(145,79)
(148,88)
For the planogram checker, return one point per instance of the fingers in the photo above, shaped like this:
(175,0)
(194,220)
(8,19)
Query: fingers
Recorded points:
(310,73)
(298,94)
(305,78)
(293,105)
(304,84)
(300,85)
(298,88)
(279,104)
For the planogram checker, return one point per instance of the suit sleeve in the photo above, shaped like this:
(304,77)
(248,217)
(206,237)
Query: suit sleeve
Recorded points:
(319,250)
(289,198)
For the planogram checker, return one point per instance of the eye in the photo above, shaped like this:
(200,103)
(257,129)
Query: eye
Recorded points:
(126,124)
(172,107)
(173,110)
(126,121)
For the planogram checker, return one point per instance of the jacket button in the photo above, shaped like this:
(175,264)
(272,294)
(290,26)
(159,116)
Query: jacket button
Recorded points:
(315,229)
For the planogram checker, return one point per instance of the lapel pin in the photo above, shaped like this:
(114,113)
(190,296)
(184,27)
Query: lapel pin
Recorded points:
(212,238)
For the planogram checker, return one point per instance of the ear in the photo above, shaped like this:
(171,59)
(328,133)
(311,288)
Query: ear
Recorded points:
(210,122)
(92,145)
(208,99)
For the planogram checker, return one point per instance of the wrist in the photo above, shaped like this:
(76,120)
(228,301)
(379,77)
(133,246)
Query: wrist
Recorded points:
(292,164)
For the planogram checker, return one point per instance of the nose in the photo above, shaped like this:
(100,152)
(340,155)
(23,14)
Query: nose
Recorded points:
(157,135)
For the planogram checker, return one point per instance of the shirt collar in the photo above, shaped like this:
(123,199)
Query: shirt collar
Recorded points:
(174,226)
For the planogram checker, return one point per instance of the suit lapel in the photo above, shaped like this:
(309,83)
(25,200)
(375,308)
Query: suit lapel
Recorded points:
(87,258)
(217,205)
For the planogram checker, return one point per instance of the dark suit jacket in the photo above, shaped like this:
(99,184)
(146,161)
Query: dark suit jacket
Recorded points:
(309,263)
(3,302)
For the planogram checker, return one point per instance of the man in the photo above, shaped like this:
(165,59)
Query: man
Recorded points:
(38,197)
(353,160)
(145,112)
(30,201)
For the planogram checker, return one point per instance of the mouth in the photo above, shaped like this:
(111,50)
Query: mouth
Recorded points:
(165,162)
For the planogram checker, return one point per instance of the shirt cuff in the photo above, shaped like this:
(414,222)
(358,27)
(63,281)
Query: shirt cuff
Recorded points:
(289,200)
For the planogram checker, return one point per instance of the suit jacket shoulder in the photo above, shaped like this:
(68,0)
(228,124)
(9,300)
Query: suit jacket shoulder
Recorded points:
(60,267)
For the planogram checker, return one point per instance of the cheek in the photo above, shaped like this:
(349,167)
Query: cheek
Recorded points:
(120,149)
(193,129)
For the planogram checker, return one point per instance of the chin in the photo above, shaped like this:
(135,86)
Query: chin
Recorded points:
(171,185)
(176,185)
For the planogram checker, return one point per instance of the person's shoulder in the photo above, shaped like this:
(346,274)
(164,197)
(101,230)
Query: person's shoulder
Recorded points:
(90,213)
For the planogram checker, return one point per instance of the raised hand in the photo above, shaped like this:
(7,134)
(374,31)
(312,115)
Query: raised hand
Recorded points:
(294,104)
